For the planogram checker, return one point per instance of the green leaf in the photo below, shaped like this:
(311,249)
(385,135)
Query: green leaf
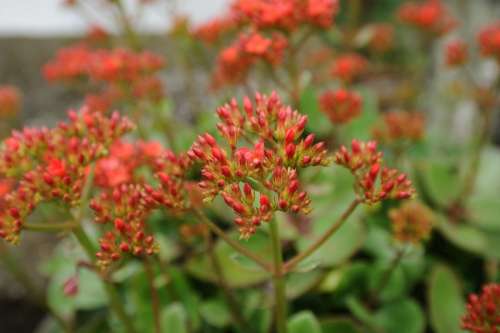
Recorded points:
(361,127)
(340,325)
(174,319)
(318,122)
(236,274)
(402,316)
(446,302)
(303,322)
(442,180)
(299,283)
(215,312)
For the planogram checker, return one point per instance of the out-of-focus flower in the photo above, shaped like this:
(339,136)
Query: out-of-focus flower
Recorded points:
(397,127)
(10,101)
(456,53)
(348,67)
(212,31)
(374,182)
(341,105)
(489,41)
(430,16)
(411,222)
(235,61)
(70,287)
(53,163)
(483,311)
(382,37)
(257,181)
(96,35)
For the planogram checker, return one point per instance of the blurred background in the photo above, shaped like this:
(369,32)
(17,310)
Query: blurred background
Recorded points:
(32,30)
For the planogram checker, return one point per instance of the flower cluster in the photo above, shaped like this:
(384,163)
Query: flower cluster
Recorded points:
(286,14)
(235,61)
(10,101)
(256,181)
(53,163)
(374,182)
(483,311)
(456,53)
(126,208)
(429,16)
(397,127)
(119,74)
(382,37)
(341,106)
(489,41)
(348,67)
(212,31)
(411,222)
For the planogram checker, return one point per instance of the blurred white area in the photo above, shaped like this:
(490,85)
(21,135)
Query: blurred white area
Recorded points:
(51,17)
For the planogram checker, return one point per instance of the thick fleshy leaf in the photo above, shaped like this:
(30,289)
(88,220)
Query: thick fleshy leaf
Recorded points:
(174,319)
(401,316)
(340,325)
(302,322)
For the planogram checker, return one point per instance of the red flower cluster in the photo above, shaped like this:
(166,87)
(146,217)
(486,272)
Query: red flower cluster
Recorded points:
(411,222)
(126,207)
(118,73)
(10,101)
(382,37)
(456,53)
(400,126)
(341,105)
(257,181)
(374,182)
(235,61)
(286,14)
(212,31)
(348,67)
(483,311)
(430,16)
(489,41)
(53,163)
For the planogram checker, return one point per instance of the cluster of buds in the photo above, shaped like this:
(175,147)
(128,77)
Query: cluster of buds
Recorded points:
(341,106)
(380,37)
(235,61)
(53,163)
(212,31)
(257,181)
(430,16)
(10,101)
(489,41)
(411,222)
(456,53)
(483,311)
(348,67)
(125,208)
(397,127)
(124,159)
(286,14)
(374,182)
(118,74)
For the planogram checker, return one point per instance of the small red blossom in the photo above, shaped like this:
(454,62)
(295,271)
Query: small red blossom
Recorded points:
(483,311)
(348,67)
(212,31)
(398,127)
(10,101)
(341,106)
(259,180)
(70,287)
(456,53)
(429,16)
(489,41)
(374,182)
(411,222)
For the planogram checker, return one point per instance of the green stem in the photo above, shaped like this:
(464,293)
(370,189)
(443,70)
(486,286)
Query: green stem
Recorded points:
(49,227)
(155,300)
(278,279)
(388,273)
(231,242)
(289,265)
(116,303)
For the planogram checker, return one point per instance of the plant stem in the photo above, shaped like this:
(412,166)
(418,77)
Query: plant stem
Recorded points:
(278,279)
(289,265)
(116,304)
(388,273)
(50,227)
(234,308)
(234,244)
(155,300)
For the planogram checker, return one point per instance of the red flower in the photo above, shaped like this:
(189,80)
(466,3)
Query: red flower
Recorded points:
(212,31)
(10,101)
(348,67)
(411,222)
(483,311)
(456,53)
(397,127)
(489,41)
(430,16)
(341,106)
(382,38)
